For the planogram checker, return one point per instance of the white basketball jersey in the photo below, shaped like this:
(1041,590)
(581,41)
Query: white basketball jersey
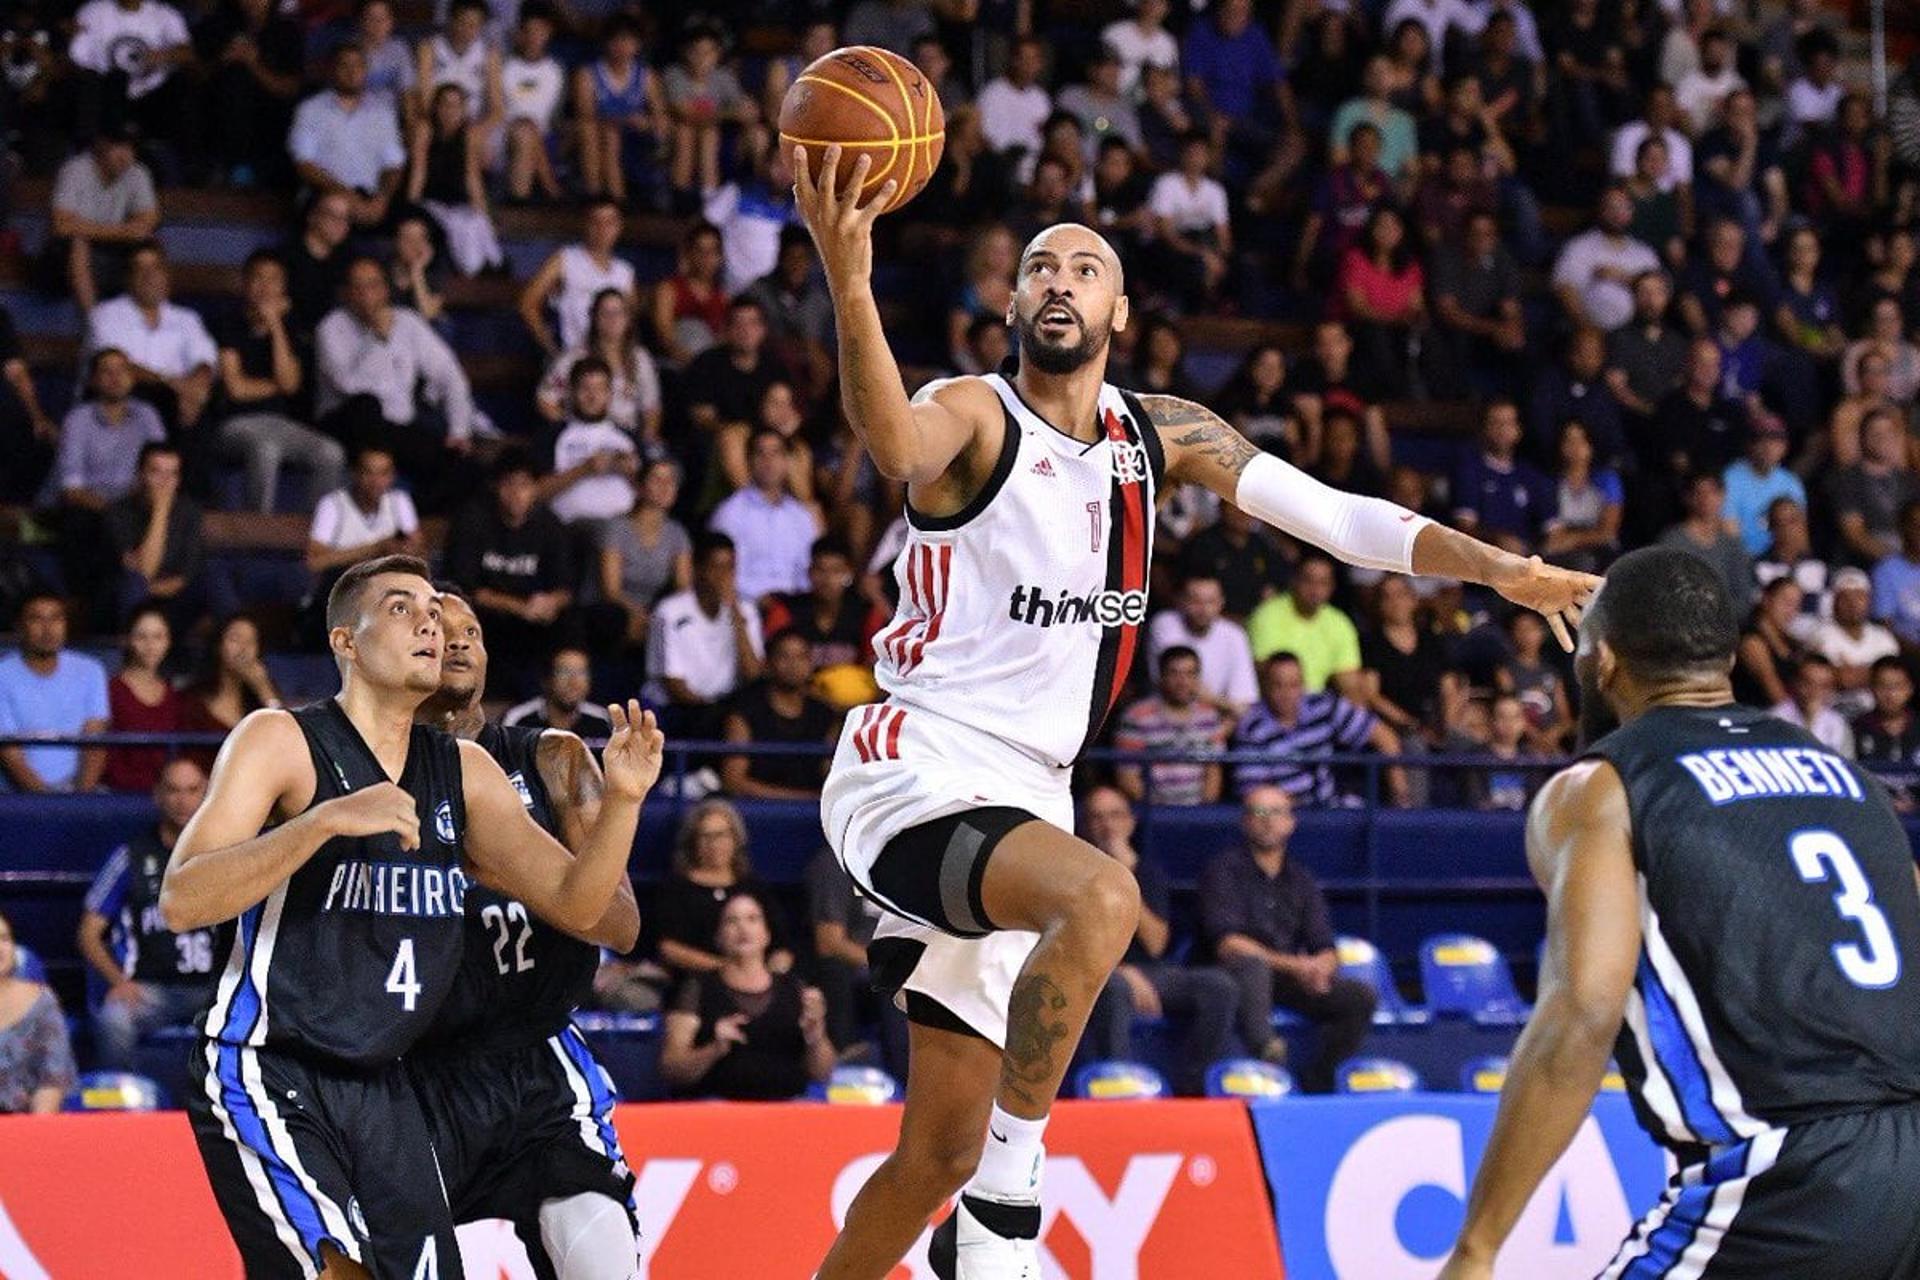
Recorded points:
(1020,615)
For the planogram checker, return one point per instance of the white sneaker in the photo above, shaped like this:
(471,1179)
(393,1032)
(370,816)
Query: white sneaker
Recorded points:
(987,1240)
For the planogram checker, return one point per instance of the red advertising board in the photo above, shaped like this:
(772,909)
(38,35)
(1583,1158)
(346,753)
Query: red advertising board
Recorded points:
(1160,1190)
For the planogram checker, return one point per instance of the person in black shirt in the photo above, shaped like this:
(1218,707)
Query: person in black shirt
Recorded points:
(27,434)
(834,618)
(517,560)
(1120,198)
(316,263)
(153,533)
(262,391)
(725,382)
(1694,428)
(1242,556)
(1887,738)
(153,976)
(710,867)
(1404,659)
(779,709)
(255,53)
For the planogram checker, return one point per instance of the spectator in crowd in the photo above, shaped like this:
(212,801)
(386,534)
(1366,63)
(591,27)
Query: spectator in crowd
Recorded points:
(594,461)
(690,307)
(262,378)
(888,24)
(843,921)
(1264,916)
(799,310)
(1771,648)
(1399,138)
(1709,534)
(534,85)
(46,687)
(837,623)
(316,261)
(1145,984)
(1807,315)
(1141,40)
(1593,277)
(36,1057)
(1537,680)
(563,699)
(1497,495)
(254,52)
(752,211)
(1105,110)
(1810,705)
(1896,581)
(700,95)
(387,378)
(173,355)
(779,709)
(141,699)
(1225,654)
(1380,292)
(1510,785)
(1723,274)
(104,206)
(1886,737)
(1577,389)
(1303,621)
(636,404)
(1790,554)
(153,533)
(1259,405)
(1757,481)
(618,110)
(446,177)
(517,560)
(462,53)
(1404,658)
(725,385)
(1695,427)
(572,277)
(1173,721)
(368,517)
(101,438)
(1885,336)
(771,528)
(1867,496)
(1295,726)
(1646,357)
(1700,92)
(415,276)
(648,554)
(390,61)
(28,436)
(153,976)
(1588,503)
(233,683)
(1659,120)
(1014,105)
(1237,82)
(1476,303)
(345,139)
(743,1030)
(135,62)
(703,644)
(711,865)
(1243,558)
(1852,641)
(1193,232)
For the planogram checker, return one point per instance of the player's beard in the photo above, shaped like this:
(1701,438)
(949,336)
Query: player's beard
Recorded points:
(1050,358)
(1597,719)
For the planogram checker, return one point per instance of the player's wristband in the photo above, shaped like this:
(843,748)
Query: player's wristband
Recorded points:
(1368,532)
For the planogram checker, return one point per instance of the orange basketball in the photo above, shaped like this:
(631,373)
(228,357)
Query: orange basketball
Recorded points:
(871,102)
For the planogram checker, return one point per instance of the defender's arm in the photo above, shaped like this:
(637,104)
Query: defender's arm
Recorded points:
(575,786)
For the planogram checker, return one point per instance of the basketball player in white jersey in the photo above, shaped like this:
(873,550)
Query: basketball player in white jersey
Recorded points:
(1030,502)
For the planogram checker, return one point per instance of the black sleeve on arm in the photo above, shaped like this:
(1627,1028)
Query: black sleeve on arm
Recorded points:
(1316,925)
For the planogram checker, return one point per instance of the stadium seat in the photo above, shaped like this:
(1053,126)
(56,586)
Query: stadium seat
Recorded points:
(1377,1075)
(1115,1081)
(1483,1075)
(1361,961)
(1248,1078)
(856,1086)
(1467,977)
(115,1091)
(27,965)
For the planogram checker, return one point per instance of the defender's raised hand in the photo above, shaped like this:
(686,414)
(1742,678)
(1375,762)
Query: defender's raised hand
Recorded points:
(634,751)
(841,226)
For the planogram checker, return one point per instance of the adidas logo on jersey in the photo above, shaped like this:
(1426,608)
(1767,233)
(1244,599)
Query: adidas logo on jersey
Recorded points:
(1105,608)
(1044,467)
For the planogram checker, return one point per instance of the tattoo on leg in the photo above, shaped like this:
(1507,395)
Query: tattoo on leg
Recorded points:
(1035,1029)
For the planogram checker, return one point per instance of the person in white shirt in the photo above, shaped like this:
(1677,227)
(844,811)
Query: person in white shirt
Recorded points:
(1809,704)
(1700,92)
(1227,678)
(368,517)
(173,354)
(127,52)
(347,139)
(1814,96)
(704,643)
(594,461)
(1192,235)
(771,528)
(1014,106)
(1142,41)
(1594,275)
(573,276)
(533,83)
(1853,642)
(1659,120)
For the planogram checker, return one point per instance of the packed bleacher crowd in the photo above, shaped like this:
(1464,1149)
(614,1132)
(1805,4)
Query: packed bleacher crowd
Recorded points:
(521,286)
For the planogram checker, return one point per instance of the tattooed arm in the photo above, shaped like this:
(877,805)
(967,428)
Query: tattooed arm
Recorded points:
(574,790)
(1202,448)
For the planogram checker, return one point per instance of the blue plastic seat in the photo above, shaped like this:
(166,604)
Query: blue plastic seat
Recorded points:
(1118,1081)
(1361,961)
(1248,1078)
(1377,1075)
(114,1091)
(1483,1075)
(856,1086)
(1467,977)
(28,965)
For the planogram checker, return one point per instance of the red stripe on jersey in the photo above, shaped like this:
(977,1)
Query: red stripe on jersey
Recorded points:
(896,641)
(934,572)
(872,731)
(1133,560)
(893,734)
(859,735)
(946,585)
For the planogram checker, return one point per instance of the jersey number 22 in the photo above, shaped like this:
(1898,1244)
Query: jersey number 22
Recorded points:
(1874,961)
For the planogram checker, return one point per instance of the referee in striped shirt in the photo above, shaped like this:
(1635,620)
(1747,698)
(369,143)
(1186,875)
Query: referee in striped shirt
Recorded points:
(1289,723)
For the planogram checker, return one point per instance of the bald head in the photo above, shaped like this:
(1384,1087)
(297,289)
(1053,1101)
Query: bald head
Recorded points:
(1064,239)
(1068,300)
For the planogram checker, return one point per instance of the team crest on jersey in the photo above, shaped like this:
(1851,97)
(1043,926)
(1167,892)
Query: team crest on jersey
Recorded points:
(519,782)
(1129,462)
(443,822)
(357,1219)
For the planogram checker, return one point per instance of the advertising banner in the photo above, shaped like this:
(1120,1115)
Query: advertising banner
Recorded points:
(1374,1188)
(1135,1191)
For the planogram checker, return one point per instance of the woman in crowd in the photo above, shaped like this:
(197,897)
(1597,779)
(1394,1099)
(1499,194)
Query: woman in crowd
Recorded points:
(1158,360)
(648,554)
(141,699)
(1532,676)
(1769,650)
(414,273)
(744,1030)
(1256,401)
(1885,336)
(1403,660)
(1585,530)
(233,682)
(636,404)
(690,306)
(36,1057)
(1380,294)
(446,177)
(710,867)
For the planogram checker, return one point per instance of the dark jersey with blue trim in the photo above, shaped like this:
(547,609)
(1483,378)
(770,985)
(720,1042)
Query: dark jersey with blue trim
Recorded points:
(521,978)
(1781,924)
(349,960)
(127,893)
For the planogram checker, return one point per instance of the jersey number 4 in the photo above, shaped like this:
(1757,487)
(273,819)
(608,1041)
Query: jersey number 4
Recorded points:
(500,921)
(1874,961)
(403,979)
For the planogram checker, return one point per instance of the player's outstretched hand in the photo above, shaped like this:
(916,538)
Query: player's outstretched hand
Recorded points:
(371,811)
(1559,594)
(634,751)
(842,228)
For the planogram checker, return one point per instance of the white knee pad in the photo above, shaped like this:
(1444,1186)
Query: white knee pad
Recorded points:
(589,1237)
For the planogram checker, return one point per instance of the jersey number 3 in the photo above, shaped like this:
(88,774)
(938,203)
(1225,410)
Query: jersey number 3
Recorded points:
(1873,962)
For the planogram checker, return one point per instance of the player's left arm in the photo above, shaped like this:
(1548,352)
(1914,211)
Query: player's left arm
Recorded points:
(511,854)
(575,785)
(1579,844)
(1203,448)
